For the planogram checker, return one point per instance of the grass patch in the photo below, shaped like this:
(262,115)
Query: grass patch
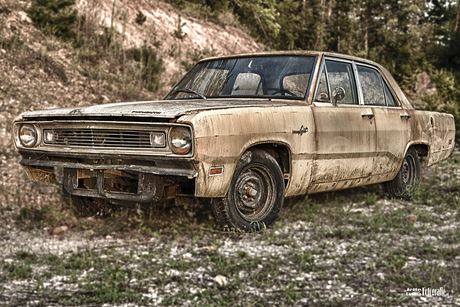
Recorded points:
(15,271)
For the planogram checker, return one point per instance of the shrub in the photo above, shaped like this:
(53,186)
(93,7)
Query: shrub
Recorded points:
(54,17)
(150,65)
(140,18)
(447,96)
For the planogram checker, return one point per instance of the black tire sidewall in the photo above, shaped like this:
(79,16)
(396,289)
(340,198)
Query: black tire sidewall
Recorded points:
(397,187)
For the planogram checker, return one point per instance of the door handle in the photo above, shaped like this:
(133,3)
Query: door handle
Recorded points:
(407,116)
(368,115)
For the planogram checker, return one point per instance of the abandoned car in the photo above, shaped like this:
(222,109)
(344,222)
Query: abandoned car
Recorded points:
(240,133)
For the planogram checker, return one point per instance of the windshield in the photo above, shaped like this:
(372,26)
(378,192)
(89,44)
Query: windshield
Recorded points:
(251,77)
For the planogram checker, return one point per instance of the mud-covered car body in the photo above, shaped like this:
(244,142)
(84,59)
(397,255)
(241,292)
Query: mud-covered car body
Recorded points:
(328,121)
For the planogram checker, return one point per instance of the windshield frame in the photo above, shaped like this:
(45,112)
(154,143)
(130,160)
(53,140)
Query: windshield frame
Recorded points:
(285,71)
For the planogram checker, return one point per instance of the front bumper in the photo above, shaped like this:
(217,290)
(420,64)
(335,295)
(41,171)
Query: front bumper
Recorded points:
(112,177)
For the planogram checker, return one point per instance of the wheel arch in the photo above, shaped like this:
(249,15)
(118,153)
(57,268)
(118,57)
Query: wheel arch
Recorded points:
(422,149)
(278,150)
(282,154)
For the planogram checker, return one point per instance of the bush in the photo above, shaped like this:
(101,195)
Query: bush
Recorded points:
(447,96)
(150,65)
(54,17)
(140,18)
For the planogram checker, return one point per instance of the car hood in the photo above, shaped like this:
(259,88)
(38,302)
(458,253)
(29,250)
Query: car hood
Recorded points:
(161,108)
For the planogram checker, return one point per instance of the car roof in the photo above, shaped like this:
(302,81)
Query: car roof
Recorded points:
(293,52)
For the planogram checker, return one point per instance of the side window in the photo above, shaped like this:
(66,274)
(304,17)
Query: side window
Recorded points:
(391,101)
(247,84)
(372,87)
(296,85)
(323,92)
(341,75)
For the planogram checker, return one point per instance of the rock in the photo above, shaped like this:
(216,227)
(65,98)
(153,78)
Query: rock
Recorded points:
(25,18)
(209,249)
(411,218)
(221,280)
(104,99)
(59,230)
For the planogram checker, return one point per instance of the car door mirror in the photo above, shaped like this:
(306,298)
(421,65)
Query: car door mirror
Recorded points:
(338,95)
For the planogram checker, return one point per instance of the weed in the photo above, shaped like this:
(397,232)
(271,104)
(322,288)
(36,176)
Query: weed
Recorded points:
(290,295)
(369,198)
(111,286)
(192,57)
(306,261)
(395,260)
(179,33)
(342,233)
(27,257)
(241,254)
(19,271)
(37,216)
(140,18)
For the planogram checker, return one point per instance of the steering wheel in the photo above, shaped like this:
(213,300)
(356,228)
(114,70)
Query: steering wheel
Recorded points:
(284,92)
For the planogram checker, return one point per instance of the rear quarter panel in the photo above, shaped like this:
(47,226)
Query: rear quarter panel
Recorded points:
(437,130)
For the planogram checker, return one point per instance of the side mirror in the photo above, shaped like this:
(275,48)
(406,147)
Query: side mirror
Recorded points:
(338,94)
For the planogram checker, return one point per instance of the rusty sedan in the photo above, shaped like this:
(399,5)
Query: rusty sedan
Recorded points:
(240,133)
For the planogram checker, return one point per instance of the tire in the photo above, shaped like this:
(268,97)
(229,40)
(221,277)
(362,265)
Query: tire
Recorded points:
(408,178)
(256,194)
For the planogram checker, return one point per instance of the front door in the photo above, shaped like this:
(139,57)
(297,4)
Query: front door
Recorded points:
(345,134)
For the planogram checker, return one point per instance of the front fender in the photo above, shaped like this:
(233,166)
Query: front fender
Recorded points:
(222,137)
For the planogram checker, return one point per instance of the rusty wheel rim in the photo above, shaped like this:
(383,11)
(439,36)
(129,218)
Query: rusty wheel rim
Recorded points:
(408,171)
(254,193)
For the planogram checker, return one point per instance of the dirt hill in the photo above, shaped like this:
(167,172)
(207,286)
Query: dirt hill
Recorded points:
(40,71)
(163,22)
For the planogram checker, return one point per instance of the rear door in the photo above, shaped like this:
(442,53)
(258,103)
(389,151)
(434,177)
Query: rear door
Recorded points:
(391,120)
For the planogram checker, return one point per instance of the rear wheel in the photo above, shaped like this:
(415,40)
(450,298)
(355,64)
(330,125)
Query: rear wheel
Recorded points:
(256,194)
(408,177)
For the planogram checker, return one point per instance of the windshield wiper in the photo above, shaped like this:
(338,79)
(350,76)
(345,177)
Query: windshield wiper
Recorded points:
(187,90)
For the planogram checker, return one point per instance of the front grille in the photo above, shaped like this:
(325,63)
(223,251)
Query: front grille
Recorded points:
(99,138)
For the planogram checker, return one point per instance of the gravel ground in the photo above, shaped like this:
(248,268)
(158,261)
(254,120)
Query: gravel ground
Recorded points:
(294,263)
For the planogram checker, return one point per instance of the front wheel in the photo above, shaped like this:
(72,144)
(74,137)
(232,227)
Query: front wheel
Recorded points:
(408,177)
(256,194)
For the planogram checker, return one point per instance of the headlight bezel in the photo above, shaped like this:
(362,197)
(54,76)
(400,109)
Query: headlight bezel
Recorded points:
(31,128)
(180,140)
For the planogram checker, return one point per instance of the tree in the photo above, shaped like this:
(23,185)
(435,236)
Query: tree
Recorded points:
(457,17)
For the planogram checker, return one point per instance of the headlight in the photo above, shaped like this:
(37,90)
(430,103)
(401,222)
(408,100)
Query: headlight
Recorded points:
(28,135)
(181,140)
